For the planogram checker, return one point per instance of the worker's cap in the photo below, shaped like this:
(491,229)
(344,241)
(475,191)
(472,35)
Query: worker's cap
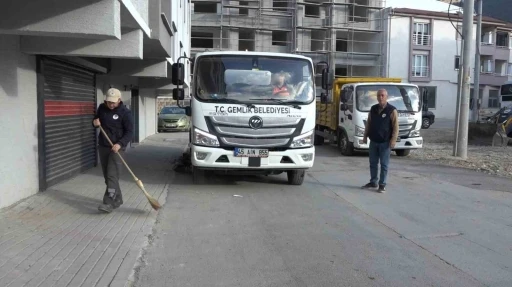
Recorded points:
(113,95)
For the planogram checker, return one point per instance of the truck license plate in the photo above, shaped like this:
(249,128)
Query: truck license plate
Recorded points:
(251,152)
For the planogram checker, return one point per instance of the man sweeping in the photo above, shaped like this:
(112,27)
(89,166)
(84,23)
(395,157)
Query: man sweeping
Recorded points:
(116,119)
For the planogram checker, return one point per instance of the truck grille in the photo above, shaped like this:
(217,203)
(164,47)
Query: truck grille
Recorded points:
(235,131)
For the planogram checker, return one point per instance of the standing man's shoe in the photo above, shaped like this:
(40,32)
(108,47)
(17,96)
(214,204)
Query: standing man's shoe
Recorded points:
(382,189)
(105,208)
(369,185)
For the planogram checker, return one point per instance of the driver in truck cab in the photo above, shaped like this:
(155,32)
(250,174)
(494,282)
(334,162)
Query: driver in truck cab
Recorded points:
(281,86)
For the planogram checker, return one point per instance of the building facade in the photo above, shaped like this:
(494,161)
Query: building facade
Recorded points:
(424,48)
(345,33)
(57,60)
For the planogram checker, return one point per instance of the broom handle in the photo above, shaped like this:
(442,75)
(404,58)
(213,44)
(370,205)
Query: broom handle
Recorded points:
(125,164)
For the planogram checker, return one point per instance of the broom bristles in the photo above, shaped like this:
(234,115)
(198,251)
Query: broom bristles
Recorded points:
(152,201)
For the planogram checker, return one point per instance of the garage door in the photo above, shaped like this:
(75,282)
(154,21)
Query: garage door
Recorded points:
(67,100)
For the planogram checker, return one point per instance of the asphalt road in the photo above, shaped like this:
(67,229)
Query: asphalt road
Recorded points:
(434,227)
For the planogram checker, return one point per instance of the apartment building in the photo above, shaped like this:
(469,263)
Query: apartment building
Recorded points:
(57,60)
(345,33)
(424,48)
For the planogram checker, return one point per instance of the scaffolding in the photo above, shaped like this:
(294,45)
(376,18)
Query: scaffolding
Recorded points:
(348,34)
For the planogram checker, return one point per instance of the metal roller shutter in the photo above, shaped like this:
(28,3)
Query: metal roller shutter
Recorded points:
(67,100)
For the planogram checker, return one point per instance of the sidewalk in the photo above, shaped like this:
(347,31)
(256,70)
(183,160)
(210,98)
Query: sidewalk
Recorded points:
(59,238)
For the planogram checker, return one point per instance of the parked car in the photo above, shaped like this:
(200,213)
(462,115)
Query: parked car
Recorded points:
(173,118)
(428,119)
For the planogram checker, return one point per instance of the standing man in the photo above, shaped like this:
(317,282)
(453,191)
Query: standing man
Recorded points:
(116,119)
(382,129)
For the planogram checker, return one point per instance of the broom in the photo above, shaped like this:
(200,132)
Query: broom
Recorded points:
(154,203)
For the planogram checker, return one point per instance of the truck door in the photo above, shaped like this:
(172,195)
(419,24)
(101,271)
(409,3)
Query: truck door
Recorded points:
(347,110)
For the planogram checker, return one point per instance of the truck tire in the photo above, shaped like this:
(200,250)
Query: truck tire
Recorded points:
(425,123)
(198,176)
(296,177)
(403,152)
(344,145)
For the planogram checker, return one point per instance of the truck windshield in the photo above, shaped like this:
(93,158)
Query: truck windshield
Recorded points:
(253,79)
(404,98)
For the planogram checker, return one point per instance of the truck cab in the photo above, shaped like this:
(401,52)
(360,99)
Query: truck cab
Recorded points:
(252,113)
(344,119)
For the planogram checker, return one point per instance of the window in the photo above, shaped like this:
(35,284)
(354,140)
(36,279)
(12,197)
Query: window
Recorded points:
(311,10)
(431,95)
(421,34)
(509,69)
(494,99)
(243,11)
(502,39)
(341,45)
(201,40)
(279,38)
(487,67)
(420,66)
(205,7)
(358,12)
(457,62)
(280,5)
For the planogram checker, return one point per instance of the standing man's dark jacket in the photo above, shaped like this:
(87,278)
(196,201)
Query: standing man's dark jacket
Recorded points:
(117,123)
(382,124)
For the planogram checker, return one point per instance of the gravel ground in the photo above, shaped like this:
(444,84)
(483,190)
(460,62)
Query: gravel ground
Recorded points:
(438,148)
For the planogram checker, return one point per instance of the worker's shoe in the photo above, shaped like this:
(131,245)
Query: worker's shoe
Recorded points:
(382,188)
(106,208)
(118,202)
(370,185)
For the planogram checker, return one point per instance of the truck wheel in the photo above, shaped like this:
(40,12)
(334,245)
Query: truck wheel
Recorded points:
(403,152)
(425,123)
(344,145)
(296,177)
(198,176)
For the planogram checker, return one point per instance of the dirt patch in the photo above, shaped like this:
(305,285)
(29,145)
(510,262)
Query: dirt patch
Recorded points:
(438,148)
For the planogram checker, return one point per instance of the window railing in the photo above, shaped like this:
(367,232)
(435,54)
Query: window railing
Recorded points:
(421,39)
(420,72)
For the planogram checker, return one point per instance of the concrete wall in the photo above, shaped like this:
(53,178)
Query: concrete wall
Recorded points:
(19,175)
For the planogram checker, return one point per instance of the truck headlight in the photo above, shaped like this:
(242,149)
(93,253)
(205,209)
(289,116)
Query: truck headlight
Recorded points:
(359,131)
(304,140)
(203,138)
(415,133)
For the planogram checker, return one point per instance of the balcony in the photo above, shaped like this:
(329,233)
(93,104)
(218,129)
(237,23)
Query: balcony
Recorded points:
(422,40)
(492,79)
(420,72)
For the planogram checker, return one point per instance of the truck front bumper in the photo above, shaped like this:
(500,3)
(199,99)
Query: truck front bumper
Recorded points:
(408,143)
(219,158)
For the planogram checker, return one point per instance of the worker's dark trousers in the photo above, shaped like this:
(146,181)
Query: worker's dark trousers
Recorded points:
(111,165)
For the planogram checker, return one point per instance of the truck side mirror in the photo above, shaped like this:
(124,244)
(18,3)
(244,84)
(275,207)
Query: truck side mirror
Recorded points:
(343,107)
(178,74)
(188,111)
(323,98)
(326,79)
(178,94)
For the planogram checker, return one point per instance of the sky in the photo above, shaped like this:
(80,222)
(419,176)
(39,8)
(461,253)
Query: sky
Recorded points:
(429,5)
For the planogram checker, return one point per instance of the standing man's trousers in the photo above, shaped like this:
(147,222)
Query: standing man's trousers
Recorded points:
(379,152)
(111,165)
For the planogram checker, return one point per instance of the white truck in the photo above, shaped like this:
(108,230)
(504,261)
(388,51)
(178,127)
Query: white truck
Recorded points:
(251,112)
(343,119)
